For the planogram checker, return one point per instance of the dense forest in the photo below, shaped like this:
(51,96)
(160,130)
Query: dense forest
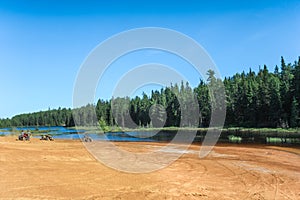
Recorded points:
(262,99)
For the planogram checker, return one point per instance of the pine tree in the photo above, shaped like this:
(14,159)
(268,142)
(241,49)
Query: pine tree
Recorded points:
(286,79)
(275,102)
(294,113)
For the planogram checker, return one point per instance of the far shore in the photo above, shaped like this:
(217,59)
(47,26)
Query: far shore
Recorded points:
(119,129)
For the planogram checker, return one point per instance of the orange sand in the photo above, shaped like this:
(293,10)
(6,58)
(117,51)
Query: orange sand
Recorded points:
(65,170)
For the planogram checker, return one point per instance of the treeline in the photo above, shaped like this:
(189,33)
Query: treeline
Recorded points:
(51,117)
(262,99)
(54,117)
(265,99)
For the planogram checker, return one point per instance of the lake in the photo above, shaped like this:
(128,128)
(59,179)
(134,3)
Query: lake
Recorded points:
(60,132)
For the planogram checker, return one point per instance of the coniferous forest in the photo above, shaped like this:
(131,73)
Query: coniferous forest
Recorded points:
(253,99)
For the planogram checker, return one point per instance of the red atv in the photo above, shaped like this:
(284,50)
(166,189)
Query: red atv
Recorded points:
(24,136)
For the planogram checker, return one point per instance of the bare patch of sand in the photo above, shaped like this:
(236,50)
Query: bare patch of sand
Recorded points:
(63,169)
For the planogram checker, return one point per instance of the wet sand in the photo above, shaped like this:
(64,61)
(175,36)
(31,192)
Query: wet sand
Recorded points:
(64,169)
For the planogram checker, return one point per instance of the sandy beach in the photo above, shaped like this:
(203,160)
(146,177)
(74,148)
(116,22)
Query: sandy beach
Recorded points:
(64,169)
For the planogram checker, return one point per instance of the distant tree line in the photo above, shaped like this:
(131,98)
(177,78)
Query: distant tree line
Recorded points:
(262,99)
(51,117)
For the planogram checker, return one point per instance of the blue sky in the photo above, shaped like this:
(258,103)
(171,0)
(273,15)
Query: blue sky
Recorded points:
(43,43)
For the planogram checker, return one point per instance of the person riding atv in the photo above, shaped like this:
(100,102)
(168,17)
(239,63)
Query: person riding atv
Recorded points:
(47,137)
(24,136)
(87,138)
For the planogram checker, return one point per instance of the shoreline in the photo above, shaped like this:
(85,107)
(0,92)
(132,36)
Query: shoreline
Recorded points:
(278,137)
(283,147)
(219,143)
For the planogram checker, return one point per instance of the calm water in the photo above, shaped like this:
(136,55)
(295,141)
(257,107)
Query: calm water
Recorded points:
(60,132)
(107,136)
